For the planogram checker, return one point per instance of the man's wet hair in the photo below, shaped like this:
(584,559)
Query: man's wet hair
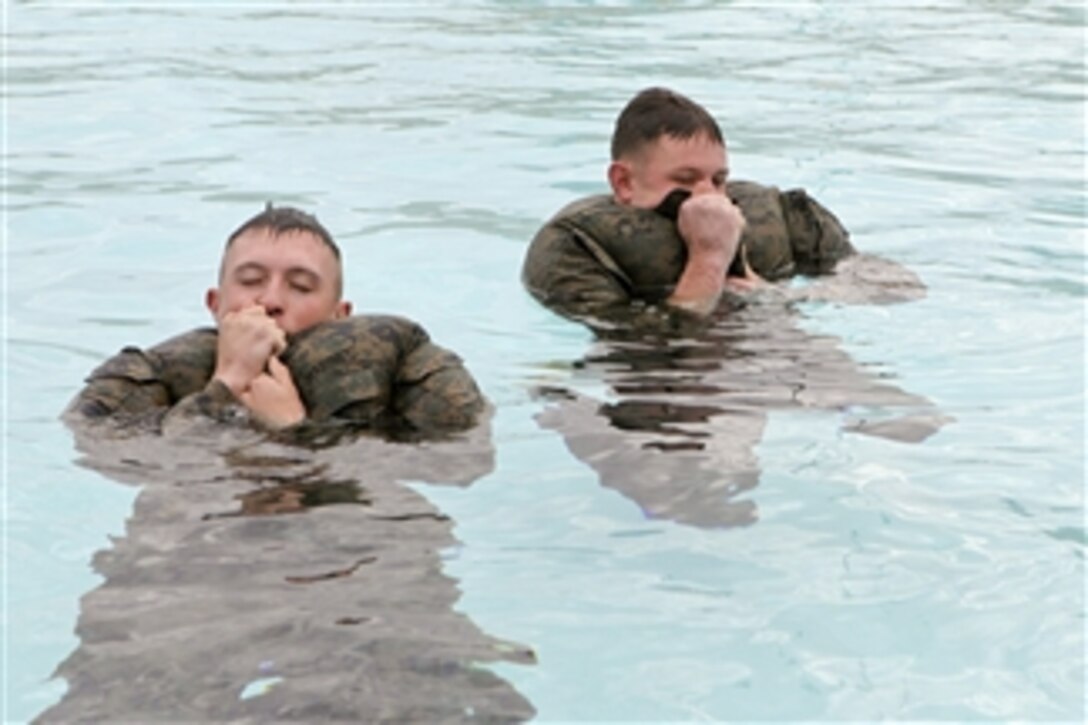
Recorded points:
(283,219)
(657,112)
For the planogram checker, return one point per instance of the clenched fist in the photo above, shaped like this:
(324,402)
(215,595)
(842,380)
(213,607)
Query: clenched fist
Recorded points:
(710,225)
(248,338)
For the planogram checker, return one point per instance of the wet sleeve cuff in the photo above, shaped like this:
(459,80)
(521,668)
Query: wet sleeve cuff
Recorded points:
(215,403)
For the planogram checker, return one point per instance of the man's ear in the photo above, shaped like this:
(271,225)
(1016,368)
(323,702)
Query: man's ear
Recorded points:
(343,309)
(619,178)
(211,301)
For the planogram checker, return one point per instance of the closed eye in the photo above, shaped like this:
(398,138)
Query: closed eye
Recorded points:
(250,275)
(303,281)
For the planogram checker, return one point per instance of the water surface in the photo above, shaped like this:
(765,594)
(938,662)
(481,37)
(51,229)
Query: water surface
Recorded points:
(871,579)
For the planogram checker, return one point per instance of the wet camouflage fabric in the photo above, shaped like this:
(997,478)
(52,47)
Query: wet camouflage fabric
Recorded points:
(372,372)
(598,260)
(382,371)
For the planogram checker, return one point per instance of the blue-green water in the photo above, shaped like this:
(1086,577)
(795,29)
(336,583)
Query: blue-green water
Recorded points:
(882,580)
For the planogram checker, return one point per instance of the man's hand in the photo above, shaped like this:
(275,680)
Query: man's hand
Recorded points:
(273,398)
(749,281)
(248,340)
(710,225)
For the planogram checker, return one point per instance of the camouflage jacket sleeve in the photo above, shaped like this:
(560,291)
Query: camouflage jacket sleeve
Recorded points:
(788,232)
(214,403)
(435,392)
(609,267)
(143,389)
(125,387)
(614,266)
(376,372)
(382,372)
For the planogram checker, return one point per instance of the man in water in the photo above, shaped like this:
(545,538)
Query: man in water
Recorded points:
(286,350)
(657,268)
(283,572)
(674,233)
(663,141)
(281,274)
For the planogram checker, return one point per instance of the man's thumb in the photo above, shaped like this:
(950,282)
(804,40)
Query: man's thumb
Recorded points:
(278,370)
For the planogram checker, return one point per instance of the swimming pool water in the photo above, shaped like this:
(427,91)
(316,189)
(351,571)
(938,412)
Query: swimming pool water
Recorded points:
(880,580)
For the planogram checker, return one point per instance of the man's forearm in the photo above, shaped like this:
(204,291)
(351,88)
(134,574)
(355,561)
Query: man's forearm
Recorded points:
(215,403)
(700,285)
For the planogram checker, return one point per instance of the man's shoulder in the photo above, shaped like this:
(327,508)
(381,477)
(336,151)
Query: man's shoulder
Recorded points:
(639,249)
(190,354)
(578,217)
(136,385)
(593,203)
(381,371)
(364,331)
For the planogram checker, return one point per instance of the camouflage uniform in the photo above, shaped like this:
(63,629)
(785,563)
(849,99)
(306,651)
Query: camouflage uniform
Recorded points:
(598,260)
(371,372)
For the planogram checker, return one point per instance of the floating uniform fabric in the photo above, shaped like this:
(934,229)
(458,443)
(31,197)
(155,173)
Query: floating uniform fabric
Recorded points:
(374,372)
(598,260)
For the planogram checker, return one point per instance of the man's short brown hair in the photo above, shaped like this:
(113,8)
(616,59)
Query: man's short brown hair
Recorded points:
(657,112)
(282,219)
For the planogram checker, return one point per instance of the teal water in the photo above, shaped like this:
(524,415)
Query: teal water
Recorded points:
(882,580)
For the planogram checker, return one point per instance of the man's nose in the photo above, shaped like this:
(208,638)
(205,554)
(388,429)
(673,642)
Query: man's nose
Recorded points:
(271,298)
(703,186)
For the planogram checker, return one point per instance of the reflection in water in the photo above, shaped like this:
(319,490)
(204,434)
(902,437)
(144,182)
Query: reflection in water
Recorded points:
(260,581)
(292,497)
(679,437)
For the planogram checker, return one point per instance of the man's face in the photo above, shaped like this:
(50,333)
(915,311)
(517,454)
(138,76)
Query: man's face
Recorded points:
(698,164)
(293,275)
